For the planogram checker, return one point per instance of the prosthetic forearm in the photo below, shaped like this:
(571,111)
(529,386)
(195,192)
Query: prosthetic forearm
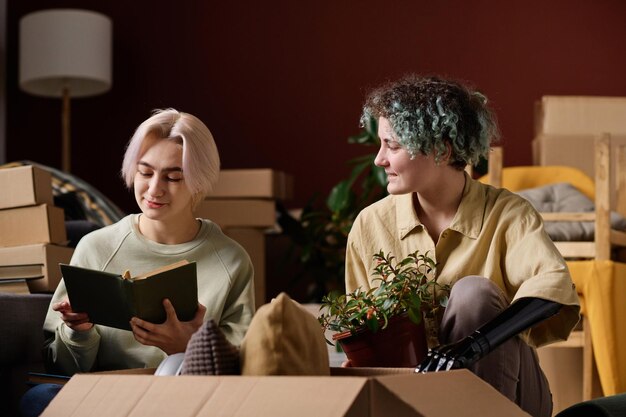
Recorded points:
(520,316)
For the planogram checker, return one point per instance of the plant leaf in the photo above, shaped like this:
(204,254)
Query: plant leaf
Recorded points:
(373,324)
(415,315)
(339,196)
(362,138)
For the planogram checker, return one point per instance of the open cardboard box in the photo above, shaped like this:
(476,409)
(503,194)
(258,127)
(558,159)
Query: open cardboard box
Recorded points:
(349,392)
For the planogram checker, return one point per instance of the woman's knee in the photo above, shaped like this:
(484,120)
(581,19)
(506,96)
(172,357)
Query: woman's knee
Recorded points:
(478,292)
(474,300)
(35,400)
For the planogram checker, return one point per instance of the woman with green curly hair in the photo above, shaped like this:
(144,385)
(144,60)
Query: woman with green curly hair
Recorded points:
(511,289)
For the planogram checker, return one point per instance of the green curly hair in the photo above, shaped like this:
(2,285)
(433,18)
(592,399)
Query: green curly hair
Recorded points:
(428,113)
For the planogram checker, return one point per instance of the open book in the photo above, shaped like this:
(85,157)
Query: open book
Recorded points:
(112,299)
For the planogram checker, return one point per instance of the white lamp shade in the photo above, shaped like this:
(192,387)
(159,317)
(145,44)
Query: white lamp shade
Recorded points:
(65,48)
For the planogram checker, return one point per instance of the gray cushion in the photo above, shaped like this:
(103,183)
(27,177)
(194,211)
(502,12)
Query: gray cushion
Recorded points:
(561,198)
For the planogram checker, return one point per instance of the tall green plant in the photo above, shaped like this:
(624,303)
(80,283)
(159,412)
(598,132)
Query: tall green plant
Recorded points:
(320,235)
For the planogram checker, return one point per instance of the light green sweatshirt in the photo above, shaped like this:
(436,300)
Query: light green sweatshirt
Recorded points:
(225,288)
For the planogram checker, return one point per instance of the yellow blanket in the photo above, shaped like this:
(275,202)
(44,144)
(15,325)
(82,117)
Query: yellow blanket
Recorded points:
(602,284)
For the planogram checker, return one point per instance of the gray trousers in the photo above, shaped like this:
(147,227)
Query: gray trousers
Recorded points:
(513,367)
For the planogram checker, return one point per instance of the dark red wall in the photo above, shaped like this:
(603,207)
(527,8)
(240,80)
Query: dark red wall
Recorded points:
(280,83)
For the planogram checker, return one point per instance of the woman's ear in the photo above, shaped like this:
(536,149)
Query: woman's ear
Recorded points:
(444,159)
(448,154)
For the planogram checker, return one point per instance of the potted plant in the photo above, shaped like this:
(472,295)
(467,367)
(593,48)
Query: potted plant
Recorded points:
(384,326)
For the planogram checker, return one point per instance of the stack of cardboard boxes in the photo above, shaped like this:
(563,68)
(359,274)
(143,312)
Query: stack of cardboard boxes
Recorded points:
(243,204)
(32,232)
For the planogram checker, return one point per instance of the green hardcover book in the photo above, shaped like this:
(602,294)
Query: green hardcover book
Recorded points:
(113,299)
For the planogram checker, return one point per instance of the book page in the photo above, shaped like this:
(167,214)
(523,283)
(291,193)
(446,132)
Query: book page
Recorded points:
(161,269)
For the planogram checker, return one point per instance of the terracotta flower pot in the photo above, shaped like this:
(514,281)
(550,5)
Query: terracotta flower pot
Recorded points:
(401,344)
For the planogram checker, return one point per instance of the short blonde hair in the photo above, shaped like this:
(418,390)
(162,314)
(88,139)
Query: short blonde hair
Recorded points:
(201,160)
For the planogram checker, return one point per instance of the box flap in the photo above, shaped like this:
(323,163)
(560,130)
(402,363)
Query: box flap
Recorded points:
(288,396)
(138,395)
(386,402)
(454,393)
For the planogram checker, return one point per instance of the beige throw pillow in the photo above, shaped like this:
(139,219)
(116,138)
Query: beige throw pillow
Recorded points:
(284,339)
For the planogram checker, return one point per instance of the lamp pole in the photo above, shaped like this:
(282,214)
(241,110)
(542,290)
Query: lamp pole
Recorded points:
(65,123)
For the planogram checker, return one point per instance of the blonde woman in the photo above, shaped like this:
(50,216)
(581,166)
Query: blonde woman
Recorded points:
(171,163)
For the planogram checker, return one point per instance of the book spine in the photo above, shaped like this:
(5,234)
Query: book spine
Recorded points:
(129,294)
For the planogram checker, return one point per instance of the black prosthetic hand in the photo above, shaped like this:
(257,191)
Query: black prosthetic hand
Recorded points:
(520,316)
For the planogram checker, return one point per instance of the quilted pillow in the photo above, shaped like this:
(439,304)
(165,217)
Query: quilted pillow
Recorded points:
(284,339)
(564,197)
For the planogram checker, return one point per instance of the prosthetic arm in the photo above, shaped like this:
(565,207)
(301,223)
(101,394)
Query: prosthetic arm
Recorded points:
(518,317)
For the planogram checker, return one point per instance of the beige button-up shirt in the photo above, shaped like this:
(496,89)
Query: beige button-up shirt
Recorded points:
(495,234)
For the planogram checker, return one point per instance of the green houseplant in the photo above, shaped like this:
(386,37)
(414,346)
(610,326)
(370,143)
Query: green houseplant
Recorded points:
(319,235)
(384,325)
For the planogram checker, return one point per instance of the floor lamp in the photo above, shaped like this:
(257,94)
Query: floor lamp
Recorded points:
(65,53)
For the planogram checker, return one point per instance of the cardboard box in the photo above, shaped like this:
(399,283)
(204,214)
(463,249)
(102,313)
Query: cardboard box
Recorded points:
(14,286)
(238,212)
(562,367)
(38,264)
(25,186)
(253,241)
(253,183)
(32,224)
(455,393)
(576,151)
(576,115)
